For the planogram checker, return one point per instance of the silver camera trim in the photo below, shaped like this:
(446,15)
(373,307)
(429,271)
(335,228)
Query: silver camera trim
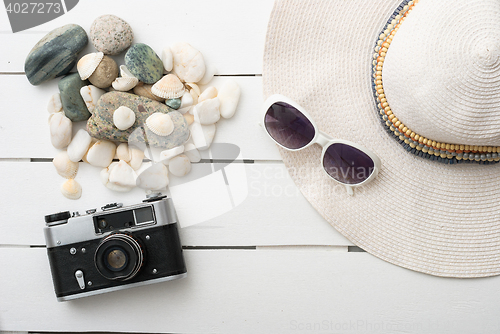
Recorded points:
(78,229)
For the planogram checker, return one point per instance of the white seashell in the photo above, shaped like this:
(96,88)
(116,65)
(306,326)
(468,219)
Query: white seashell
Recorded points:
(167,59)
(88,63)
(154,177)
(189,64)
(208,93)
(207,112)
(65,167)
(71,189)
(168,87)
(166,155)
(123,118)
(160,124)
(186,100)
(123,153)
(125,73)
(193,86)
(189,118)
(210,71)
(229,95)
(124,84)
(55,104)
(101,154)
(105,179)
(136,157)
(61,129)
(202,135)
(122,175)
(192,153)
(91,94)
(179,165)
(79,145)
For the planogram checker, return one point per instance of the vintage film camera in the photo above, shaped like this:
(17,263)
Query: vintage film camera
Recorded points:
(113,249)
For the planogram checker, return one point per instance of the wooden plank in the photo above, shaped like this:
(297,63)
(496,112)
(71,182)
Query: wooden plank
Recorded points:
(230,34)
(256,291)
(260,205)
(24,131)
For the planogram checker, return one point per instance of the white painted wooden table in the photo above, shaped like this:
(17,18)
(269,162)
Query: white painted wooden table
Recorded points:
(259,258)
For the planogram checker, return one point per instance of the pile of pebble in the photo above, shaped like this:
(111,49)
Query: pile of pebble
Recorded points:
(147,101)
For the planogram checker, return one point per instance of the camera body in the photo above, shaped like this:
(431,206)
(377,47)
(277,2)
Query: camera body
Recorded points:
(114,249)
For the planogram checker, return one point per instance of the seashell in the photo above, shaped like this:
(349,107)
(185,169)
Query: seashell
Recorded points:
(88,63)
(101,154)
(61,129)
(65,167)
(104,175)
(79,145)
(123,118)
(207,112)
(160,124)
(192,153)
(166,155)
(145,90)
(229,95)
(122,175)
(202,135)
(179,165)
(189,64)
(124,84)
(167,59)
(136,157)
(210,71)
(125,73)
(123,153)
(209,93)
(55,104)
(192,85)
(189,118)
(91,95)
(154,177)
(71,189)
(168,87)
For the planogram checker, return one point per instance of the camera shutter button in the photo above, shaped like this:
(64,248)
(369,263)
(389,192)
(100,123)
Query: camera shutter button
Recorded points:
(80,279)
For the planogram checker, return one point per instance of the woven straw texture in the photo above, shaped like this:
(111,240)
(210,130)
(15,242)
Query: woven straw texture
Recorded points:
(438,219)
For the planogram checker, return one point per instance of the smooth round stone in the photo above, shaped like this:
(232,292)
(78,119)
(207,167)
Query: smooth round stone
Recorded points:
(110,34)
(55,54)
(101,125)
(144,63)
(173,103)
(105,73)
(73,104)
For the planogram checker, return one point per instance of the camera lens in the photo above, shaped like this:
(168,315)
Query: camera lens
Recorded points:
(118,257)
(102,223)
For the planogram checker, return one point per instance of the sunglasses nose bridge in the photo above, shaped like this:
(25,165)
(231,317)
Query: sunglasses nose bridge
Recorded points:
(322,139)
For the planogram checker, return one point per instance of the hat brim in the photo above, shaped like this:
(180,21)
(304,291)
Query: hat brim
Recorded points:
(439,219)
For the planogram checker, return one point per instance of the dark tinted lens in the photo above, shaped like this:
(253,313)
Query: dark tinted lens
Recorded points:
(288,126)
(347,164)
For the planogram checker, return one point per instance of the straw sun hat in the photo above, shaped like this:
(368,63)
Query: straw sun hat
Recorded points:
(418,84)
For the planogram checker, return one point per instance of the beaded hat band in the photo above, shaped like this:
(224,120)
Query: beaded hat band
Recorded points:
(411,141)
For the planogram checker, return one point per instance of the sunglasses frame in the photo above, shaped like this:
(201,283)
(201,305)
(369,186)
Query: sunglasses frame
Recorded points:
(322,139)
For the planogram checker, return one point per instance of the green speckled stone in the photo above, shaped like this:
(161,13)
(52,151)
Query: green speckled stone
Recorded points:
(144,63)
(55,54)
(173,103)
(74,106)
(101,126)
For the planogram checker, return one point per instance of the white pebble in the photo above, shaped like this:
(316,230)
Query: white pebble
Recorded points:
(179,165)
(229,95)
(101,154)
(192,153)
(136,157)
(189,64)
(207,112)
(122,175)
(79,145)
(202,135)
(166,155)
(167,59)
(154,177)
(186,100)
(91,94)
(210,71)
(55,104)
(208,93)
(60,128)
(123,153)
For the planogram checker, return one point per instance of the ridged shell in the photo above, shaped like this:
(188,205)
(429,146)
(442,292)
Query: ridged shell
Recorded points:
(65,167)
(88,63)
(169,87)
(124,118)
(71,189)
(124,72)
(160,124)
(124,84)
